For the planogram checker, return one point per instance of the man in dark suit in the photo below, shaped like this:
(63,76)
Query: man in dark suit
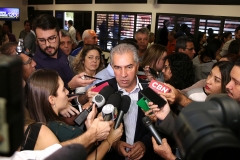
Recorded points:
(136,141)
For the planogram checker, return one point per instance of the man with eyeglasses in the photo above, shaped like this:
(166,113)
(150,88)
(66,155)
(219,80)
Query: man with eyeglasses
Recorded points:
(185,45)
(9,49)
(49,55)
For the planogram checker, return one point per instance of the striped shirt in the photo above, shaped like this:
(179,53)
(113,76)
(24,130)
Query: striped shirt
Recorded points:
(130,118)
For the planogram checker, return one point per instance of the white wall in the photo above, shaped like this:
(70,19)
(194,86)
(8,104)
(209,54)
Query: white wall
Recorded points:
(215,10)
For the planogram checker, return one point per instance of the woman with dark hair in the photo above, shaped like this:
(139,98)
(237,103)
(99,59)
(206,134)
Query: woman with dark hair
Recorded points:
(154,58)
(204,62)
(90,61)
(46,97)
(201,42)
(216,82)
(178,71)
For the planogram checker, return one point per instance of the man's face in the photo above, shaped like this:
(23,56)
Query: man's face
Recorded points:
(142,41)
(48,41)
(66,45)
(189,50)
(125,70)
(28,66)
(5,28)
(237,35)
(92,39)
(27,27)
(233,87)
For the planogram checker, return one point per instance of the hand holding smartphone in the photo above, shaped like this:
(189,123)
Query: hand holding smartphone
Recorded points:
(89,77)
(143,103)
(151,96)
(75,94)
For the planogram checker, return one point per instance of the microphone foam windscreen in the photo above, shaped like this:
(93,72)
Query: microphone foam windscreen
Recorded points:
(146,121)
(126,101)
(106,92)
(115,100)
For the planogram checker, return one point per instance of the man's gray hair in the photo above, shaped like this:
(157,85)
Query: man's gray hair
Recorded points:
(142,31)
(66,34)
(86,33)
(124,48)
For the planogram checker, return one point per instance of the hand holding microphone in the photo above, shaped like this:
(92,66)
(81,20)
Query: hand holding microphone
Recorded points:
(148,123)
(110,110)
(98,100)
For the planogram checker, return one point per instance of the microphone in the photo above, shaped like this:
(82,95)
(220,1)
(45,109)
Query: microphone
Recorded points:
(148,123)
(107,112)
(126,101)
(110,110)
(99,100)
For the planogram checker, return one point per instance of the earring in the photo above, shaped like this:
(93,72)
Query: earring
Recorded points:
(54,105)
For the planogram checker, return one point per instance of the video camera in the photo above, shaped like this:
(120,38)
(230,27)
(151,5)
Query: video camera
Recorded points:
(209,130)
(11,105)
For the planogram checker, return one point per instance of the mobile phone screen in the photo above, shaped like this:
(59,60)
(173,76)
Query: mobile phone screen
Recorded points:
(149,94)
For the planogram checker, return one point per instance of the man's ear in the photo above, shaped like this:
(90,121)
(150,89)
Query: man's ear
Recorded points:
(51,99)
(180,50)
(60,34)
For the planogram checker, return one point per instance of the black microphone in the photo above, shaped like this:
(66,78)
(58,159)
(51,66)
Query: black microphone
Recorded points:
(110,110)
(148,123)
(99,100)
(125,104)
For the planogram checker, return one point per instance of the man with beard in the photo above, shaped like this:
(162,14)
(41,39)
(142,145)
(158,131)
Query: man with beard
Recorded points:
(49,55)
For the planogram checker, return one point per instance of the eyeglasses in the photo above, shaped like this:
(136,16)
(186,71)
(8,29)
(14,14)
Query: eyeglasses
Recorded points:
(51,39)
(190,49)
(28,61)
(68,43)
(166,67)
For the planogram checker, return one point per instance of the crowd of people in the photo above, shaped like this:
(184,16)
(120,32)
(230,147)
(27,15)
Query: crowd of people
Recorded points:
(57,67)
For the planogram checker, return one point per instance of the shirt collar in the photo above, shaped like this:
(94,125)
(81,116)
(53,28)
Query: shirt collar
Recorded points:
(135,89)
(110,70)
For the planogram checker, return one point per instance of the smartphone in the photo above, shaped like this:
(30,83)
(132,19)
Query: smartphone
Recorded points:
(75,94)
(153,72)
(100,87)
(151,96)
(86,76)
(143,103)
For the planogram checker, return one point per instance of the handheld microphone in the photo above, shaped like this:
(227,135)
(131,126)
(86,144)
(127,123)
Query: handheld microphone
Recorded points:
(148,123)
(99,100)
(126,101)
(110,110)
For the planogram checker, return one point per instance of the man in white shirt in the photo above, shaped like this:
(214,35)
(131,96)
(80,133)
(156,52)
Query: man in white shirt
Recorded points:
(72,31)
